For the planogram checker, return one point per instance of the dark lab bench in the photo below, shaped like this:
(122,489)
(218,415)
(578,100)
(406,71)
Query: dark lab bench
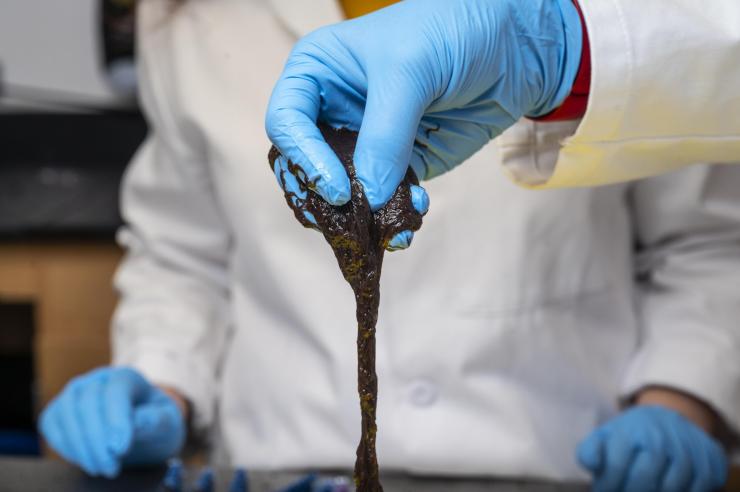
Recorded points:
(36,475)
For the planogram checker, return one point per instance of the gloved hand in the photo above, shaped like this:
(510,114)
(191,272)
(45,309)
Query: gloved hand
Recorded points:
(426,83)
(110,417)
(652,448)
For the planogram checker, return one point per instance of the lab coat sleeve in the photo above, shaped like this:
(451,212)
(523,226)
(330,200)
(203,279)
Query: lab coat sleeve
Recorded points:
(688,231)
(171,322)
(665,93)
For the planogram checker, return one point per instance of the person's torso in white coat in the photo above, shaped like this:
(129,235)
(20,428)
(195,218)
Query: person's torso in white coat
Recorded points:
(505,331)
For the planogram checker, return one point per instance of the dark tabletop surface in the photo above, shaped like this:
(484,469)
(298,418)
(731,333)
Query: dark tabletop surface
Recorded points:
(36,475)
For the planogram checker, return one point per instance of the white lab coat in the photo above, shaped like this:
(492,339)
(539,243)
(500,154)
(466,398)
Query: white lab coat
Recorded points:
(510,329)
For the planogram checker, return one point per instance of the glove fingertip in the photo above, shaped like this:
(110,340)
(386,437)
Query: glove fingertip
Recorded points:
(145,420)
(120,438)
(324,172)
(120,441)
(379,175)
(277,169)
(337,191)
(420,199)
(310,217)
(113,470)
(378,181)
(400,241)
(590,452)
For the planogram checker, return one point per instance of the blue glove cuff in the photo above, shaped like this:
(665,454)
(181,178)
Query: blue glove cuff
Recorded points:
(557,91)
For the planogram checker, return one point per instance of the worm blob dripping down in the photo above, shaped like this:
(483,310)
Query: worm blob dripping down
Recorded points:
(358,238)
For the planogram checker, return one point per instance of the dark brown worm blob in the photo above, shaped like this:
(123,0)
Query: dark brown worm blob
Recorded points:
(358,238)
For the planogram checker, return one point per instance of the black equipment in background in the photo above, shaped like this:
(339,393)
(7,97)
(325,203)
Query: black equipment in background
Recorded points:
(60,173)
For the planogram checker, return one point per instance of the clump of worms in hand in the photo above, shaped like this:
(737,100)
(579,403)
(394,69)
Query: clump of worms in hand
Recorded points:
(359,237)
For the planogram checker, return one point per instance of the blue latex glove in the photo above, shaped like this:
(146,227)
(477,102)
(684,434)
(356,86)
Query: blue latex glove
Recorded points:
(426,83)
(111,417)
(652,448)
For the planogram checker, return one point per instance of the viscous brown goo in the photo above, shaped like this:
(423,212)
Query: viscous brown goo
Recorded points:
(358,238)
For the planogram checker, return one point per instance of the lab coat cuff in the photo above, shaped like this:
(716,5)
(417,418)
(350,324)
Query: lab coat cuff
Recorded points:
(529,149)
(710,374)
(163,369)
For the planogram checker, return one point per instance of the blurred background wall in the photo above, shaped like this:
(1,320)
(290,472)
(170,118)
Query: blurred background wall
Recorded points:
(68,126)
(52,55)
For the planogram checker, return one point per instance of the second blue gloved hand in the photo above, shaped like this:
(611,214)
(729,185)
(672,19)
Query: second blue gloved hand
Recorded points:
(110,417)
(427,83)
(652,448)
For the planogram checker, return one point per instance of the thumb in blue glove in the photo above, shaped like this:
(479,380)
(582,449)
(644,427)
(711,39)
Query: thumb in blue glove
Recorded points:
(427,83)
(110,417)
(652,448)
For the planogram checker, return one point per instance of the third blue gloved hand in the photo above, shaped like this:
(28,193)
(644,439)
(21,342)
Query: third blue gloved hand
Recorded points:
(426,82)
(652,448)
(110,417)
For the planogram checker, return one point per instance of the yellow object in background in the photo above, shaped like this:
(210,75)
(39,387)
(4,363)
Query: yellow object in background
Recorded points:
(356,8)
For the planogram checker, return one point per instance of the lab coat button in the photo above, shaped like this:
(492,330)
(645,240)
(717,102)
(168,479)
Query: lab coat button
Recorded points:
(423,393)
